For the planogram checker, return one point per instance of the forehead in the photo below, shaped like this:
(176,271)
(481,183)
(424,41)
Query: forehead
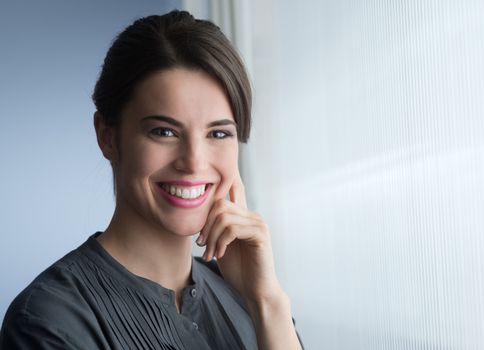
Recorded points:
(191,96)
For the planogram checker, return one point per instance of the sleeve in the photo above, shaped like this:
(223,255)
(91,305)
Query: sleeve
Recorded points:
(212,265)
(22,332)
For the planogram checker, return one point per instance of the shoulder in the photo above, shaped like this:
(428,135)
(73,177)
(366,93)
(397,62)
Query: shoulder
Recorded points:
(44,313)
(34,317)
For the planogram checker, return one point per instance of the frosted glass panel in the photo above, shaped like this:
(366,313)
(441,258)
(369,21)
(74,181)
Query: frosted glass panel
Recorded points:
(367,160)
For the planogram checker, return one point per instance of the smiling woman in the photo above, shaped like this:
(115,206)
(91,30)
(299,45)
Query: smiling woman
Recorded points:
(147,152)
(173,102)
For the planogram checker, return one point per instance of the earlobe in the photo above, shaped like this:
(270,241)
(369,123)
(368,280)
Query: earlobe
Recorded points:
(106,138)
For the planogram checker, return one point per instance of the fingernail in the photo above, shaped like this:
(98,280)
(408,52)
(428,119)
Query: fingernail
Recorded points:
(200,240)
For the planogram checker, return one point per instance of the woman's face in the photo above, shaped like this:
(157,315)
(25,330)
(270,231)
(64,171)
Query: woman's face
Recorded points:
(177,135)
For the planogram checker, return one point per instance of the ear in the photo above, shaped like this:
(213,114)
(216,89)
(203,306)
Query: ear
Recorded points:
(106,138)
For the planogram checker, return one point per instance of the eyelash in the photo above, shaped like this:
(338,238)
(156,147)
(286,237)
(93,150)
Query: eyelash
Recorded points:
(156,133)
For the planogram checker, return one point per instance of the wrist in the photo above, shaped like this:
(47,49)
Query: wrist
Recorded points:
(272,319)
(268,305)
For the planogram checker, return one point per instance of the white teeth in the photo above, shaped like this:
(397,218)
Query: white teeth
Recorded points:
(185,193)
(194,193)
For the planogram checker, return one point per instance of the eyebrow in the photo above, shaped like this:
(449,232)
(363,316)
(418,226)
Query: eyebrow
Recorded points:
(179,124)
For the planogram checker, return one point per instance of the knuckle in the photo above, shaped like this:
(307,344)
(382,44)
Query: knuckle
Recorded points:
(265,229)
(264,226)
(231,231)
(224,219)
(220,204)
(257,217)
(260,221)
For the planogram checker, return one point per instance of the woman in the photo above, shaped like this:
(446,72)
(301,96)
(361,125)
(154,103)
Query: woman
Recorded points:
(173,101)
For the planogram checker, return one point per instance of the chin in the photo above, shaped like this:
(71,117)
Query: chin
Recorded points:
(186,229)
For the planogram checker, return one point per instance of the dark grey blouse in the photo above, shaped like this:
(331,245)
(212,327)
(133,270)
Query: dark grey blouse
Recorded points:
(87,300)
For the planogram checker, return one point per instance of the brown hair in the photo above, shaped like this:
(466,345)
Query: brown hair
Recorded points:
(175,39)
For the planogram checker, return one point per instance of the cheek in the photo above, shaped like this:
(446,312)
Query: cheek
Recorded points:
(141,161)
(227,165)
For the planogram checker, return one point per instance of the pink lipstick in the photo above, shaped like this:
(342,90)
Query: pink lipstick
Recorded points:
(186,183)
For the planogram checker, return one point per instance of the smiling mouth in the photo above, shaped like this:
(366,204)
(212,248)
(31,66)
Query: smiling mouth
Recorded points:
(185,192)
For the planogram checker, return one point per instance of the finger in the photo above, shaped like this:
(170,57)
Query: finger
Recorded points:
(219,207)
(237,191)
(221,223)
(228,236)
(252,230)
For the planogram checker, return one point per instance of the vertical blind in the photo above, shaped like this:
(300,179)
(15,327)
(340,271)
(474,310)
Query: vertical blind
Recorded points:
(367,161)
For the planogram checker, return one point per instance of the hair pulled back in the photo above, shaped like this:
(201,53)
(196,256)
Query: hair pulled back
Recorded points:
(173,40)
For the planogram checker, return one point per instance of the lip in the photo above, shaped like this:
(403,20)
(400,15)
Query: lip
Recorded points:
(186,183)
(184,203)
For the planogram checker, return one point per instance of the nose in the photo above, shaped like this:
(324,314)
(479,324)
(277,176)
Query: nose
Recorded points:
(191,156)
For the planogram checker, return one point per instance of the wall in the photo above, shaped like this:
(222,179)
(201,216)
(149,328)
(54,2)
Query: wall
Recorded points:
(54,182)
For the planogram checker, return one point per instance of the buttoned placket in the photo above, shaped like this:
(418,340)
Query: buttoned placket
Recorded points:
(190,299)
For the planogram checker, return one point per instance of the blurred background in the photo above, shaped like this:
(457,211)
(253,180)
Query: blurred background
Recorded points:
(366,157)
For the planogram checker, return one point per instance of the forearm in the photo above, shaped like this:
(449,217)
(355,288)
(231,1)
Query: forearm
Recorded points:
(273,323)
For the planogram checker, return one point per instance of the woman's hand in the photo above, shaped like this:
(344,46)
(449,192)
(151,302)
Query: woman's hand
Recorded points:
(240,239)
(241,242)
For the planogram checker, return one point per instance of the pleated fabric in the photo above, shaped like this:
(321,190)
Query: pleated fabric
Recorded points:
(87,300)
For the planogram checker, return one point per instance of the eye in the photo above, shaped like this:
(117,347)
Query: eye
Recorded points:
(220,134)
(162,132)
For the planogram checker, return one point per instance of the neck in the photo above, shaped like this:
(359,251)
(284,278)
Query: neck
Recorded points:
(148,251)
